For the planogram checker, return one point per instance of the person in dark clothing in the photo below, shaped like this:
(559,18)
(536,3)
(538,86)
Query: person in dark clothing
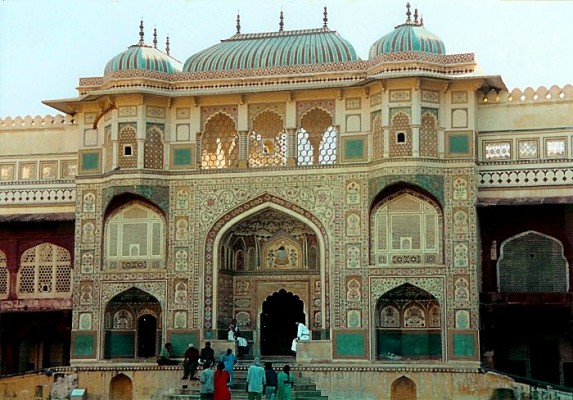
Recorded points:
(207,354)
(190,362)
(271,387)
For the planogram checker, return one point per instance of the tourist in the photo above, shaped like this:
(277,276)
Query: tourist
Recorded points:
(256,380)
(242,345)
(207,354)
(272,383)
(222,380)
(190,362)
(167,356)
(229,360)
(207,381)
(286,383)
(302,334)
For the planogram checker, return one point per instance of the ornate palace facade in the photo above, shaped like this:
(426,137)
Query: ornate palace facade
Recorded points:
(412,210)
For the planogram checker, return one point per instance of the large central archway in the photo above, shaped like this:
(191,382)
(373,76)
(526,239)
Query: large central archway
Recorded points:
(277,321)
(262,250)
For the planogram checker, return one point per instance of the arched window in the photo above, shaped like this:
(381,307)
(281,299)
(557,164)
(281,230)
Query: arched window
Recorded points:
(406,229)
(532,262)
(45,271)
(219,143)
(317,139)
(267,140)
(134,239)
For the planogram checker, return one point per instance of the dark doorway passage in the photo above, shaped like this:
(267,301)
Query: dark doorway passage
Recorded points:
(146,335)
(278,328)
(545,361)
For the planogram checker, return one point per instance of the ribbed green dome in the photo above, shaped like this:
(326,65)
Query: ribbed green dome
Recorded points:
(273,49)
(144,57)
(410,36)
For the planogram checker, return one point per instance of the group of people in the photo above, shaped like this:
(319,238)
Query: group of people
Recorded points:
(217,377)
(265,380)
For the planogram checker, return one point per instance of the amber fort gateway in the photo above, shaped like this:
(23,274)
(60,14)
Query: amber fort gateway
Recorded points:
(412,210)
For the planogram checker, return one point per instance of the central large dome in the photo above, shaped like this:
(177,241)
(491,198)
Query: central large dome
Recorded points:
(273,49)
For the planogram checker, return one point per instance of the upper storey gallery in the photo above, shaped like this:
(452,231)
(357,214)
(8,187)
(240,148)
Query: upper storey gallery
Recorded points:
(283,98)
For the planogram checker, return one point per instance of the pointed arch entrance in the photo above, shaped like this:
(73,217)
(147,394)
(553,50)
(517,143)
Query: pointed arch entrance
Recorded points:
(280,312)
(258,249)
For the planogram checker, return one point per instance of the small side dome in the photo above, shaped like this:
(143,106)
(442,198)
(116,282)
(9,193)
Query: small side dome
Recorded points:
(144,57)
(274,49)
(410,36)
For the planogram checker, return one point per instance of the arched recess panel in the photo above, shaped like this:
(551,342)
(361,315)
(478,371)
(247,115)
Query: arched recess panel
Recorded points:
(408,325)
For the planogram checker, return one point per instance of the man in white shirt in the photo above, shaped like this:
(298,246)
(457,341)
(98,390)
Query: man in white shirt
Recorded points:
(303,333)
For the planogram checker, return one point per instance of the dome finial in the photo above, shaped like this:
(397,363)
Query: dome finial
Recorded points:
(141,33)
(238,23)
(421,21)
(281,23)
(325,18)
(154,38)
(167,48)
(416,16)
(408,13)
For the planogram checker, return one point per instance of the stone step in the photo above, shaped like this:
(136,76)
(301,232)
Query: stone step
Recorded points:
(304,388)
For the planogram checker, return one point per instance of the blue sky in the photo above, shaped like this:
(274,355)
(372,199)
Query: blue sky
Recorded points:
(47,45)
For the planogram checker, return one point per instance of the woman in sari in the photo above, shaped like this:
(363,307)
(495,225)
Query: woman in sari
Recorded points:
(286,383)
(221,380)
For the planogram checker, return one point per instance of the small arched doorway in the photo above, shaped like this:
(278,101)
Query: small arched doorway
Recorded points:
(121,388)
(280,312)
(146,336)
(403,389)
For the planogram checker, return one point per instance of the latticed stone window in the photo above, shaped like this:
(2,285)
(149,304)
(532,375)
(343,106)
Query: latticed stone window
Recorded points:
(127,156)
(400,136)
(497,151)
(406,230)
(317,139)
(134,239)
(45,271)
(429,135)
(532,262)
(3,275)
(153,149)
(219,143)
(267,140)
(377,137)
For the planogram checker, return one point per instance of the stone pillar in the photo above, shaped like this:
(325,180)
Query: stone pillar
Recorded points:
(292,145)
(243,148)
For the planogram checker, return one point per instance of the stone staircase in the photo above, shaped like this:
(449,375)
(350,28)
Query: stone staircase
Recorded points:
(304,389)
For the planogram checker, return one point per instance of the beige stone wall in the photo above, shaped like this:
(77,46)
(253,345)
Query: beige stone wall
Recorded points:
(339,382)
